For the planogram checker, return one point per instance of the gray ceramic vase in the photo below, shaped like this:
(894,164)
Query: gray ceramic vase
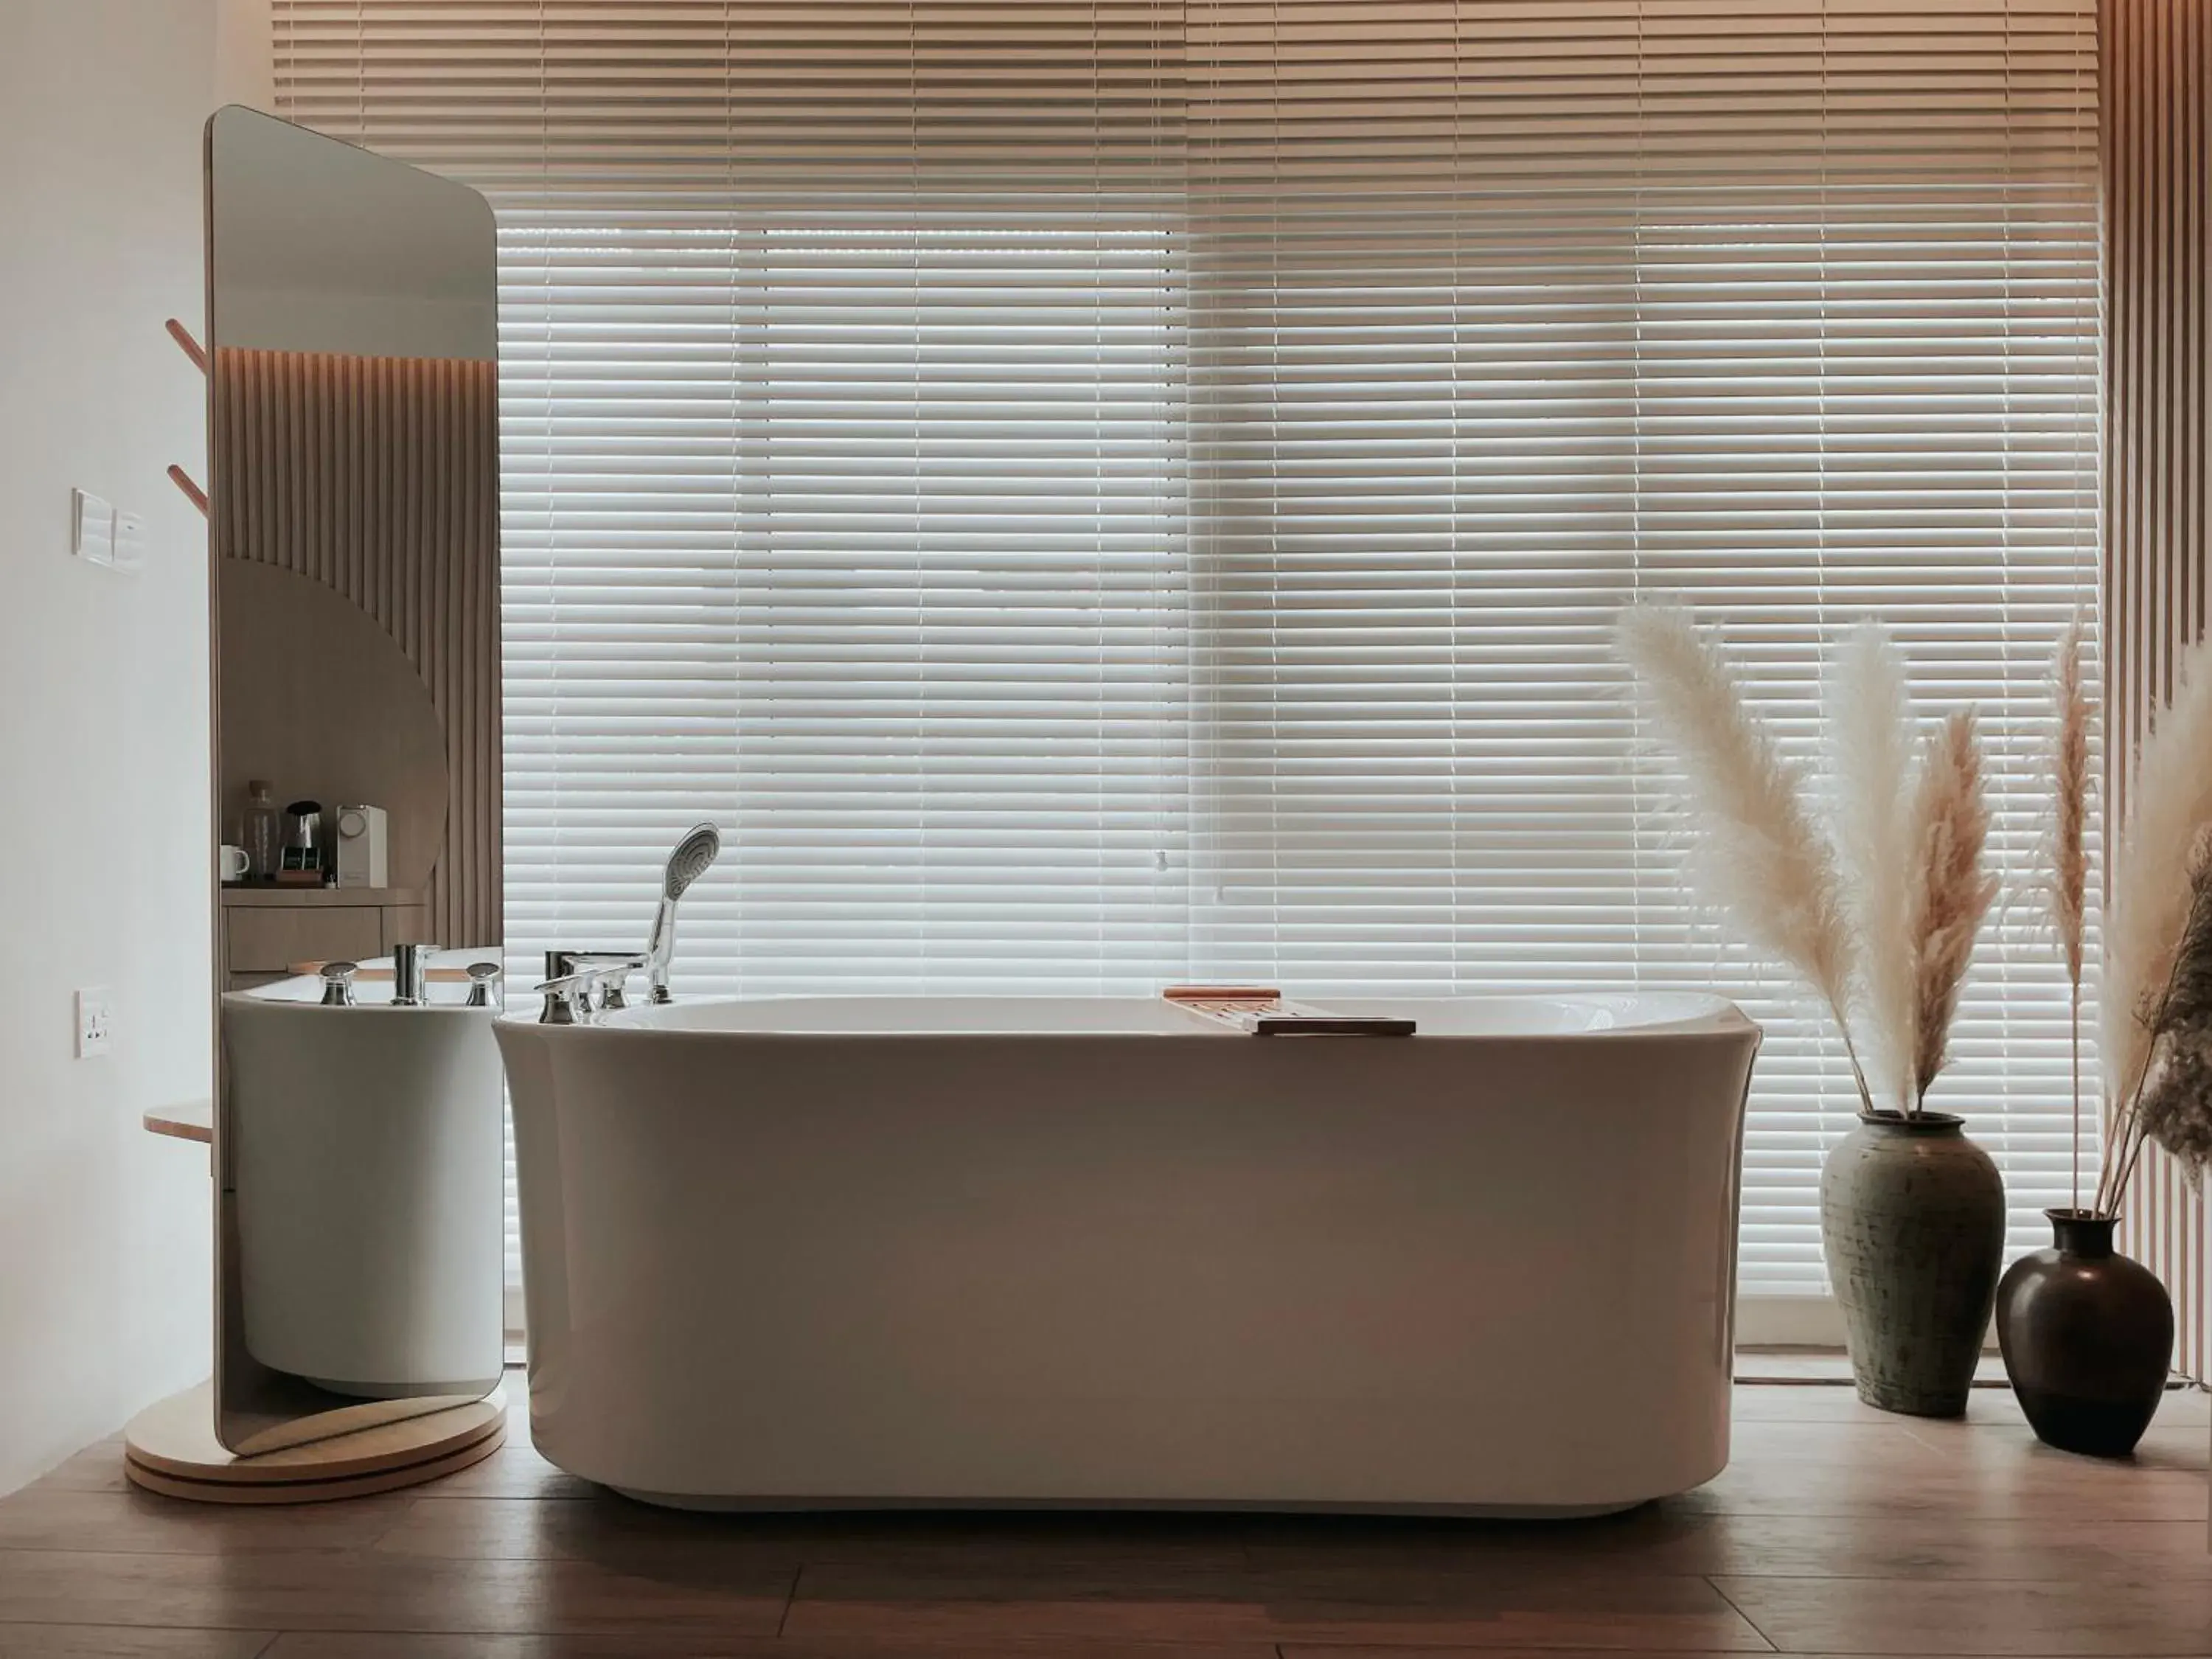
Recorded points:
(1912,1217)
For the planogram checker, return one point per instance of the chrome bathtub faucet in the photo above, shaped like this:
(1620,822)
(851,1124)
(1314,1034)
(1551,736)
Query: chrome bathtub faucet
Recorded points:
(410,975)
(581,983)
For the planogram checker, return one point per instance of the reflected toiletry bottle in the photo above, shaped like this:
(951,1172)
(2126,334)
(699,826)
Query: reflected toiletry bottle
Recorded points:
(259,828)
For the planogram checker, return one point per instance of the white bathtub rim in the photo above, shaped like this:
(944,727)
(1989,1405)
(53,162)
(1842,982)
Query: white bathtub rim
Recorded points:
(1666,1014)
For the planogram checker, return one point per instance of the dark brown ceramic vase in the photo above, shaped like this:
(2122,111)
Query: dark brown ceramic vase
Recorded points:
(2088,1337)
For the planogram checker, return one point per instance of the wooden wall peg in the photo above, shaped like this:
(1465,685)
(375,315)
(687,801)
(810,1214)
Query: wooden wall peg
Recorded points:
(193,493)
(191,347)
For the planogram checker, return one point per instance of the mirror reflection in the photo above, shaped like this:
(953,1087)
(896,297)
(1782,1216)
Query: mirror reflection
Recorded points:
(354,513)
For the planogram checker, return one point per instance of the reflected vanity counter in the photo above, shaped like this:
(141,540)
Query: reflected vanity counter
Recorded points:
(858,1252)
(367,1153)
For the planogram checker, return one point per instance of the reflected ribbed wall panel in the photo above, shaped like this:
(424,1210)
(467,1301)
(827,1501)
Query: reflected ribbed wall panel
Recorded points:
(379,476)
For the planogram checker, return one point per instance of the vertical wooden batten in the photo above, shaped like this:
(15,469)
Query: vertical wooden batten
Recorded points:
(377,478)
(2156,77)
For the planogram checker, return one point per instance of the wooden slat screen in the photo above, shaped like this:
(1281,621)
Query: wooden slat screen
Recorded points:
(2158,445)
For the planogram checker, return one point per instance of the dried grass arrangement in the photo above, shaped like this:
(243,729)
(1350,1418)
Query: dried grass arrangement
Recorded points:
(2157,1003)
(1880,915)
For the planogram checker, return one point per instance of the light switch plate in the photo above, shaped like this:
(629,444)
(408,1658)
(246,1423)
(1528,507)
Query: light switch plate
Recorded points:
(95,1022)
(92,527)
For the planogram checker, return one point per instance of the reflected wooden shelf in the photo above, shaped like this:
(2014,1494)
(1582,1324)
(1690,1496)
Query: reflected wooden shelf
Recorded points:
(288,898)
(189,1119)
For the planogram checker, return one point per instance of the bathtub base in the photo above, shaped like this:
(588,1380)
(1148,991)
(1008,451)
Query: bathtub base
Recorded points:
(666,1500)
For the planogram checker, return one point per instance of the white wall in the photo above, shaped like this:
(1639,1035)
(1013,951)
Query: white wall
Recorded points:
(104,1251)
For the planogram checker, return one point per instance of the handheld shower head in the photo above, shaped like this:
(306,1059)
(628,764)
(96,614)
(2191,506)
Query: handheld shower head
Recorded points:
(685,866)
(689,860)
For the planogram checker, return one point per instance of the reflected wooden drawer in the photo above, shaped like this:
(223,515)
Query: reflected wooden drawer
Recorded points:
(266,941)
(266,930)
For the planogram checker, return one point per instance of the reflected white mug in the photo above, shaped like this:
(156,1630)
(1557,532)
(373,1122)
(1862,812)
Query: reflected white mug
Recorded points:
(233,862)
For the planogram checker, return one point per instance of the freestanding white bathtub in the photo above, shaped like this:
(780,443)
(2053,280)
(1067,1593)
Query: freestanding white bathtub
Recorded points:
(955,1251)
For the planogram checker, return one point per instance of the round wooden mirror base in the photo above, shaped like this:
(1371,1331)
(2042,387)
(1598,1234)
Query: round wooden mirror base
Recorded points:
(170,1448)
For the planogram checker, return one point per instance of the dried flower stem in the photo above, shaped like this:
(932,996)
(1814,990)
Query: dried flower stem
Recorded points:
(2121,1158)
(2073,1100)
(2067,855)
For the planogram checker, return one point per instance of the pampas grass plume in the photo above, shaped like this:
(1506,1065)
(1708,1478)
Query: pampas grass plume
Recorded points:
(2066,853)
(2175,1109)
(1759,858)
(1951,823)
(1872,731)
(2171,799)
(2067,856)
(2173,1106)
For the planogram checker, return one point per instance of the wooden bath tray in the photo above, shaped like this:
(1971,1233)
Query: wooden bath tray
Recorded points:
(1264,1010)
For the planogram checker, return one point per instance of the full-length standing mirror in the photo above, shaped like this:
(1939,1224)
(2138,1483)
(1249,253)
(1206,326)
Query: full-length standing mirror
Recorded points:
(353,439)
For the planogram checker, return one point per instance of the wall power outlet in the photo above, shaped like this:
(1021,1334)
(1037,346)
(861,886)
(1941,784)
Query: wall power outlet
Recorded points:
(95,1022)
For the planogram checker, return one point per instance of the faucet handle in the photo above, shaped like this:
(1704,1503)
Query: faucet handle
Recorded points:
(566,998)
(337,984)
(481,976)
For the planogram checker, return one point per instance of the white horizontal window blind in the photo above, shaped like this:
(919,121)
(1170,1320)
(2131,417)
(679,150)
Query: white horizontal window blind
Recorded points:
(1504,314)
(1094,494)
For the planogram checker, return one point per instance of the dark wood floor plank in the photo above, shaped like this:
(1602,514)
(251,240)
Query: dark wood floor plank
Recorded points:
(1916,1616)
(1958,1470)
(516,1470)
(1668,1538)
(1302,1650)
(117,1641)
(603,1527)
(2189,1408)
(613,1529)
(368,1591)
(1653,1539)
(140,1522)
(1585,1606)
(2050,1547)
(312,1645)
(98,1467)
(2176,1447)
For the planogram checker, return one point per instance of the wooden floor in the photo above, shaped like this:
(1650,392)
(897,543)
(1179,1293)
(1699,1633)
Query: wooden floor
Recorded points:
(1837,1530)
